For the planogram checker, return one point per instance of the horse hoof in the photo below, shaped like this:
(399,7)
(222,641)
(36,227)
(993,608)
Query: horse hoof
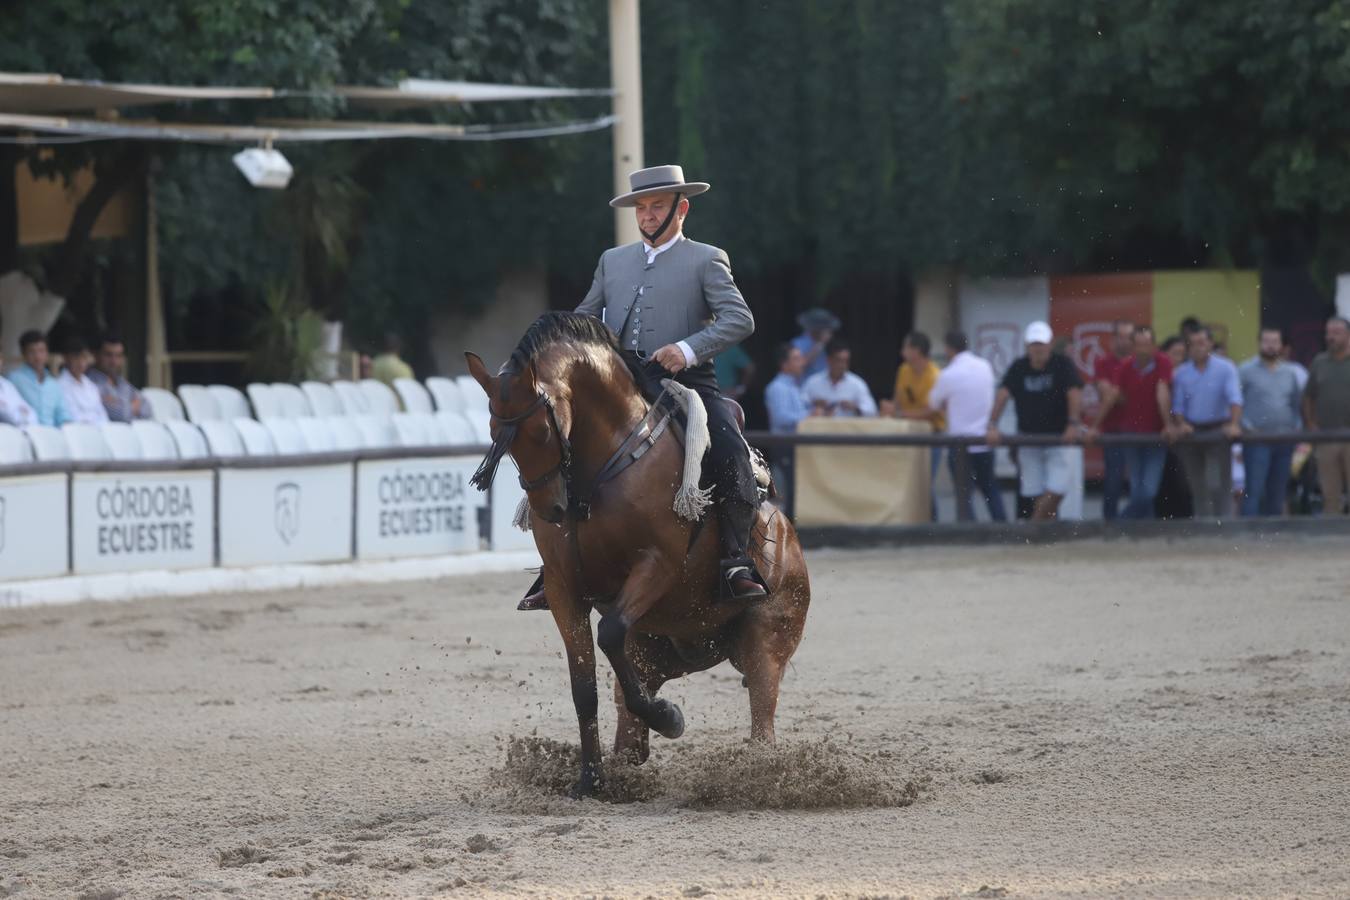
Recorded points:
(667,720)
(587,784)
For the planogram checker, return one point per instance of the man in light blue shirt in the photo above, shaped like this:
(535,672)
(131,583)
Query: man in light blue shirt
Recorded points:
(35,384)
(1207,399)
(818,327)
(787,407)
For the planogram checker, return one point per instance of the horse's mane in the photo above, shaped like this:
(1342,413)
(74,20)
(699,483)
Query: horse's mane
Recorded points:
(554,327)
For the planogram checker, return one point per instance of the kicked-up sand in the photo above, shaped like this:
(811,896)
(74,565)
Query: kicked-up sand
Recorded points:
(1091,719)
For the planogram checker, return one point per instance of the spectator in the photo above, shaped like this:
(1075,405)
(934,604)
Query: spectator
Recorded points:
(1326,404)
(1175,348)
(14,410)
(783,399)
(122,401)
(1207,400)
(83,403)
(1271,396)
(388,365)
(1109,412)
(964,395)
(1047,394)
(818,327)
(734,370)
(1143,399)
(36,385)
(837,391)
(914,381)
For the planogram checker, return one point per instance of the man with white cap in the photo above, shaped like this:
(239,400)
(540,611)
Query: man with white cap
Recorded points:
(1047,395)
(674,306)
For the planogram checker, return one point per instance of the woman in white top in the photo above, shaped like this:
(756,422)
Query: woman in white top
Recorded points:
(83,402)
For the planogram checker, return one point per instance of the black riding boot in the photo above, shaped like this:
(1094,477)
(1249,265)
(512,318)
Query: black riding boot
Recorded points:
(534,598)
(741,582)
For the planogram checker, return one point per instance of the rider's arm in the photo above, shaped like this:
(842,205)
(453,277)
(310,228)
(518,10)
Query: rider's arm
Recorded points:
(594,302)
(732,321)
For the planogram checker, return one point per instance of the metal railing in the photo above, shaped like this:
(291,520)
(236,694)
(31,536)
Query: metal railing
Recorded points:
(766,440)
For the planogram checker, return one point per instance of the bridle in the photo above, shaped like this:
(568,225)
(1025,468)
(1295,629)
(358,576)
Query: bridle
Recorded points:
(508,426)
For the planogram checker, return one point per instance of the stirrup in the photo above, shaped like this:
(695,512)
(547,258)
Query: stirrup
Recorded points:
(742,573)
(534,598)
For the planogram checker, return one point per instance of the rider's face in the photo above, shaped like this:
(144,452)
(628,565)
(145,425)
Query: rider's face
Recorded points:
(652,211)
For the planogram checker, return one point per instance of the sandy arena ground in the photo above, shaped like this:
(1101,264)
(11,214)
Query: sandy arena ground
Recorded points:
(1136,719)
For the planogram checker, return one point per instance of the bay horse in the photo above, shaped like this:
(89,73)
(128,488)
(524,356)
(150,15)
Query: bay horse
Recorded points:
(565,406)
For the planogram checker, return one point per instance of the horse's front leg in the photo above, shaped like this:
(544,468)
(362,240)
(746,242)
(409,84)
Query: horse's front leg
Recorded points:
(646,583)
(574,624)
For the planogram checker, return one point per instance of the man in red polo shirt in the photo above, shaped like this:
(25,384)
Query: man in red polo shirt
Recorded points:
(1143,385)
(1108,414)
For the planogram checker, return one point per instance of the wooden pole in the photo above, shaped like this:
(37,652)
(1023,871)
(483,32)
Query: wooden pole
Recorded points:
(158,373)
(625,66)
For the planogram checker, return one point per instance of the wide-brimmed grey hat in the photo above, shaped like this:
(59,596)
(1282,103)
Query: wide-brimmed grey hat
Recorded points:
(658,180)
(817,319)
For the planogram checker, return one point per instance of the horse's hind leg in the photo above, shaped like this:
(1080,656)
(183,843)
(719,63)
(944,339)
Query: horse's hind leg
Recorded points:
(763,648)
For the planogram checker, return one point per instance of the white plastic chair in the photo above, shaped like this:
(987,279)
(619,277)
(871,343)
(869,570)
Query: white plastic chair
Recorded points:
(447,394)
(266,405)
(155,439)
(377,431)
(457,429)
(323,399)
(472,392)
(414,397)
(189,440)
(380,399)
(346,434)
(354,400)
(257,440)
(286,436)
(49,444)
(164,406)
(318,436)
(231,401)
(292,400)
(14,447)
(481,421)
(85,442)
(222,438)
(199,404)
(121,440)
(416,429)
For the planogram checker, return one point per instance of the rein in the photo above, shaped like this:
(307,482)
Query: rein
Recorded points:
(640,439)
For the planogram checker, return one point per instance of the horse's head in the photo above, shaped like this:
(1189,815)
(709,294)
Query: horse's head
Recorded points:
(527,424)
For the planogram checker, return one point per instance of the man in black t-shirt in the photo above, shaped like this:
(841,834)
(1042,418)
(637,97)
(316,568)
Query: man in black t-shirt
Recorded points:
(1047,394)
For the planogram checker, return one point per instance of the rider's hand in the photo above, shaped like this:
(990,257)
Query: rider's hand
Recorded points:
(670,358)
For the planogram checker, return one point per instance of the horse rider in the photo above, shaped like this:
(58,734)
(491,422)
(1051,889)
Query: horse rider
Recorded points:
(674,306)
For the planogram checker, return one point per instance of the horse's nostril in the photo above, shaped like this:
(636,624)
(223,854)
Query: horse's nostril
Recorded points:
(558,511)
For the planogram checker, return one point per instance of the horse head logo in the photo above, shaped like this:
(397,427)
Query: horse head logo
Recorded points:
(999,343)
(1091,341)
(287,512)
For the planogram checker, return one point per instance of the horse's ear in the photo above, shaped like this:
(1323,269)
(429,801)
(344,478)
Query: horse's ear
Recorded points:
(479,371)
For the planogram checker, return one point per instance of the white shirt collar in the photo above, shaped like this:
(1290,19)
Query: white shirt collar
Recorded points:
(654,252)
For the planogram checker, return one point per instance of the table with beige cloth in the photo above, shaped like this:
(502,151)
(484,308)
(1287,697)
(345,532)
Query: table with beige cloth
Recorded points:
(874,485)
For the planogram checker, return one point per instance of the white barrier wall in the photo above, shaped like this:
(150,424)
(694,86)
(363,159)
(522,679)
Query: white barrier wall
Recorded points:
(34,528)
(285,515)
(128,521)
(506,496)
(416,507)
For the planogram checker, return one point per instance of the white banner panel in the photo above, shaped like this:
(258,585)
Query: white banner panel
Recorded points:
(284,515)
(34,535)
(416,507)
(506,496)
(125,521)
